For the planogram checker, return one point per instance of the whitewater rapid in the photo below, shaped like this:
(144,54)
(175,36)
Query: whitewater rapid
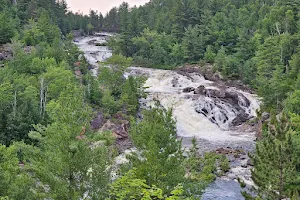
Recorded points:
(167,87)
(94,54)
(208,118)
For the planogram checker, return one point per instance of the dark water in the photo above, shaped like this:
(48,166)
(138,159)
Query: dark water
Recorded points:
(223,190)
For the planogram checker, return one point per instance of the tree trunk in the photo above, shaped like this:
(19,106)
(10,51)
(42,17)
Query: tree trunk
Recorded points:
(15,104)
(281,181)
(41,97)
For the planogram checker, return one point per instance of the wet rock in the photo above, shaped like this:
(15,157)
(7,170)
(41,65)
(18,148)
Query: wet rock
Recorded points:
(243,101)
(78,73)
(233,96)
(224,151)
(6,52)
(98,121)
(91,42)
(230,151)
(250,162)
(2,57)
(243,157)
(240,119)
(119,129)
(237,156)
(231,176)
(215,93)
(124,144)
(174,82)
(210,75)
(200,90)
(265,116)
(188,89)
(244,165)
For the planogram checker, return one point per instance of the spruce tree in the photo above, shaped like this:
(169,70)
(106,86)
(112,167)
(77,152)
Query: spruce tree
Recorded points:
(275,161)
(160,162)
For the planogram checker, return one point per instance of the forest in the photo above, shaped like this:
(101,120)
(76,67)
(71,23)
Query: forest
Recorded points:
(48,148)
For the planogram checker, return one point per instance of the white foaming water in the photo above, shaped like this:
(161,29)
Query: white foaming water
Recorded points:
(93,53)
(167,86)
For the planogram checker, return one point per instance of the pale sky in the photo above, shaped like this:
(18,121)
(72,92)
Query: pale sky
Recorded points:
(102,6)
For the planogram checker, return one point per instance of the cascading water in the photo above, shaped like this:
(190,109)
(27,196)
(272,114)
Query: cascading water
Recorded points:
(207,116)
(93,53)
(202,109)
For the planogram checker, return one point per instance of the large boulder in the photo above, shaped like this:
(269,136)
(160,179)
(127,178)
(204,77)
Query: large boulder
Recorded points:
(215,93)
(119,129)
(98,121)
(232,96)
(200,90)
(265,116)
(241,118)
(188,89)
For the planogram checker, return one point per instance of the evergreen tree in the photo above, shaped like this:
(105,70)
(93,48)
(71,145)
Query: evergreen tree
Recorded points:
(193,44)
(66,162)
(15,181)
(7,27)
(160,159)
(275,161)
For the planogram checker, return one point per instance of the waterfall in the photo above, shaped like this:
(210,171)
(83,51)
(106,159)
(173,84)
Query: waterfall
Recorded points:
(213,113)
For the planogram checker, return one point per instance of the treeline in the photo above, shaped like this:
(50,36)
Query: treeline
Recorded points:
(15,15)
(256,41)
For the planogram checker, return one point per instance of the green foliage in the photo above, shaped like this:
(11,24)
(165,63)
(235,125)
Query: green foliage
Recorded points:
(119,94)
(130,187)
(160,160)
(193,44)
(154,48)
(89,27)
(66,162)
(32,34)
(7,27)
(209,55)
(109,103)
(275,161)
(130,95)
(201,170)
(119,62)
(33,78)
(15,182)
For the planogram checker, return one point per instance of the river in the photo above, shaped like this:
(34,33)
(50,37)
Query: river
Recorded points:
(211,115)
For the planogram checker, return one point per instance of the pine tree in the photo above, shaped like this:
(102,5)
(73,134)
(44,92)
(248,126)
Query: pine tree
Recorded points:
(160,162)
(180,18)
(15,180)
(193,44)
(275,161)
(67,162)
